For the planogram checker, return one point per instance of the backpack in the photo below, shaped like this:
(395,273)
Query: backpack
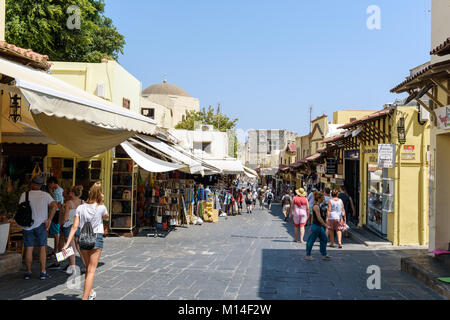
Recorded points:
(323,209)
(269,196)
(87,238)
(24,215)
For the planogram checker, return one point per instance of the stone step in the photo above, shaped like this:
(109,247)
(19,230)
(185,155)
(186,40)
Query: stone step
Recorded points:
(367,237)
(428,269)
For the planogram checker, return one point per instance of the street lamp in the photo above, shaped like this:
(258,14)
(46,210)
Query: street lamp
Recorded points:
(15,108)
(401,131)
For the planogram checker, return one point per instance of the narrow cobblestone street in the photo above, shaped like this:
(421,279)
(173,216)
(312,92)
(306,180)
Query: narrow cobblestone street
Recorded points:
(243,257)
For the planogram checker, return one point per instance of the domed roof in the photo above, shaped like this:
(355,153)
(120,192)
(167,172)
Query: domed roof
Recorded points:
(166,89)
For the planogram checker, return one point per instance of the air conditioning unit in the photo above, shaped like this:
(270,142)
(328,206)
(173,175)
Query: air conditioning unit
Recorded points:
(424,115)
(101,90)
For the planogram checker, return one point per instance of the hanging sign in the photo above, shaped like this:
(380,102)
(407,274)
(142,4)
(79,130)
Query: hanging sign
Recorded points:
(331,166)
(351,154)
(386,155)
(443,117)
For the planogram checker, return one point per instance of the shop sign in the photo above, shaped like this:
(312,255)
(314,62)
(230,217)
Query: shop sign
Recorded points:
(331,166)
(333,181)
(373,150)
(351,154)
(386,155)
(409,148)
(408,156)
(324,180)
(443,117)
(320,169)
(408,152)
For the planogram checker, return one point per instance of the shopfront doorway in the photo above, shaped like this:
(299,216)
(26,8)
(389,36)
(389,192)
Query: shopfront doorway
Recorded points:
(376,216)
(352,183)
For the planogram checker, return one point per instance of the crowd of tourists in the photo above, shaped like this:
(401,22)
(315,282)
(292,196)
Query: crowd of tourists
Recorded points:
(326,212)
(61,214)
(248,196)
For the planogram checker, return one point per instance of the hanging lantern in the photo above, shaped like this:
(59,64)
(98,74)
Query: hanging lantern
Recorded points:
(15,108)
(401,131)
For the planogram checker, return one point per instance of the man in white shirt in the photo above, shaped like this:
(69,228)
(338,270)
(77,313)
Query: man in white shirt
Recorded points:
(40,201)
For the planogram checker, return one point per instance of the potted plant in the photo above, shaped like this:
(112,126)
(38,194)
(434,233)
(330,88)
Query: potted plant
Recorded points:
(10,193)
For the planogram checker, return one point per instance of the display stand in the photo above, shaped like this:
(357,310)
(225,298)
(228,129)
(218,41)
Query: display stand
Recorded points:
(124,194)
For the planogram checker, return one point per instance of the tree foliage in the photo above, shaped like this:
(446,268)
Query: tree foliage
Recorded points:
(217,119)
(42,26)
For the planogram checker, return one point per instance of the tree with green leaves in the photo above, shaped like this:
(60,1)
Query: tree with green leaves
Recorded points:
(218,120)
(43,27)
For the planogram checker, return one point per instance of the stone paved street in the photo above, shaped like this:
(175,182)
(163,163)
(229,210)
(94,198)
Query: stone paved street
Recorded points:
(243,257)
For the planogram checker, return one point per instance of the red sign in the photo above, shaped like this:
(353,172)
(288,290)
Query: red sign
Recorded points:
(408,148)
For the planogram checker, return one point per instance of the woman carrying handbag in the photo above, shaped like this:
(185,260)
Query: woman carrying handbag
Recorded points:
(336,218)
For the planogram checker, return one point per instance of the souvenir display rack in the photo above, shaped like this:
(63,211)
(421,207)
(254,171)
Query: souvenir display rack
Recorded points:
(123,195)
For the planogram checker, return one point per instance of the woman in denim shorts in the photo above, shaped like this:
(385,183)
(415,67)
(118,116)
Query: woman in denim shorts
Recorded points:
(70,209)
(93,211)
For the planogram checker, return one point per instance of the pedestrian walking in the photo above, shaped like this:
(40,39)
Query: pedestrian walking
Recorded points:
(93,211)
(336,218)
(70,210)
(262,195)
(349,206)
(254,198)
(36,234)
(240,200)
(55,226)
(318,228)
(249,200)
(286,203)
(299,213)
(269,197)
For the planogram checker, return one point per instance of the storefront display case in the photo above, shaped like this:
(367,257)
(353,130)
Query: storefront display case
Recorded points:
(123,195)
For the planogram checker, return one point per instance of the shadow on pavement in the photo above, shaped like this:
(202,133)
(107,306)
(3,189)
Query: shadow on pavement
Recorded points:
(286,275)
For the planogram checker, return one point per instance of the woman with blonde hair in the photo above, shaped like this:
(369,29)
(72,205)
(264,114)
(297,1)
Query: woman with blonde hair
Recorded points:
(93,211)
(299,213)
(70,208)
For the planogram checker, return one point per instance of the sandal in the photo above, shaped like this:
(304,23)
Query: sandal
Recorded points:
(326,258)
(309,259)
(332,246)
(340,246)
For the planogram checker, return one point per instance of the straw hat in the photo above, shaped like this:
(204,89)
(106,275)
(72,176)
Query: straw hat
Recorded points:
(301,192)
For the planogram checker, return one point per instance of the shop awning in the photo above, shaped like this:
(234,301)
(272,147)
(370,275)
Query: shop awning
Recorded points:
(228,166)
(78,120)
(147,162)
(252,174)
(193,164)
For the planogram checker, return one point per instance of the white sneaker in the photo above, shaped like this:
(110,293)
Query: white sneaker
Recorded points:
(70,270)
(93,295)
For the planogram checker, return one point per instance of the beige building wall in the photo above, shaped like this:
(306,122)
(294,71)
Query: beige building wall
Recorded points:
(440,25)
(116,81)
(319,131)
(346,116)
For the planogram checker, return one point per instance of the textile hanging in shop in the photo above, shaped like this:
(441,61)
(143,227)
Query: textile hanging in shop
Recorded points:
(82,138)
(147,162)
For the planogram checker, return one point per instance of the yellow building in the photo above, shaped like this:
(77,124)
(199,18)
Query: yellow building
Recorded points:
(394,191)
(347,116)
(319,132)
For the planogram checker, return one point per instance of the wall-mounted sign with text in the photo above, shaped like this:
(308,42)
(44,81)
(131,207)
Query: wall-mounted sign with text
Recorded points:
(386,155)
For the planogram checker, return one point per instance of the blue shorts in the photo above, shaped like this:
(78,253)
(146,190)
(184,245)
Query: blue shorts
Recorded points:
(99,242)
(66,232)
(37,235)
(54,229)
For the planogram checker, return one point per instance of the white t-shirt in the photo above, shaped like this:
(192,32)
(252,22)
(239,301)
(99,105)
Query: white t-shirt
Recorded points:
(39,203)
(94,214)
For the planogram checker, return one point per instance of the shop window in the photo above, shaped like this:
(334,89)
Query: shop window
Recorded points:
(148,112)
(380,199)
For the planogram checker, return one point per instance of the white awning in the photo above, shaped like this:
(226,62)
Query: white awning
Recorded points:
(147,162)
(252,174)
(194,165)
(228,166)
(76,119)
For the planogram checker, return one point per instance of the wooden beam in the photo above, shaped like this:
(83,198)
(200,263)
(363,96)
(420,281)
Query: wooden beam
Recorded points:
(440,85)
(435,100)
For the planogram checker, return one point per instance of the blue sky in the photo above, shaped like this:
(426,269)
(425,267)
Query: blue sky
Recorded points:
(267,61)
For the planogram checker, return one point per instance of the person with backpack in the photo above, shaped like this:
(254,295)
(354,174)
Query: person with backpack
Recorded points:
(286,203)
(318,227)
(299,213)
(55,226)
(348,205)
(89,217)
(35,220)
